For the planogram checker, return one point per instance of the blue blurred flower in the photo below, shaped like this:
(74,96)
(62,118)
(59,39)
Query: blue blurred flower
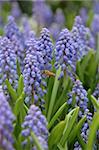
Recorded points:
(42,13)
(6,126)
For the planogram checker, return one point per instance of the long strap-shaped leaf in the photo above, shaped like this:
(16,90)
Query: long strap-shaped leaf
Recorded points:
(69,127)
(58,113)
(54,93)
(92,132)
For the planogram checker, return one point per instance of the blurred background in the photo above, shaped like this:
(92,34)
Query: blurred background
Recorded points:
(53,14)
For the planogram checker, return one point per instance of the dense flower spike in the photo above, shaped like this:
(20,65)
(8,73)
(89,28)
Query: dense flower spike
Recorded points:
(6,127)
(65,52)
(35,122)
(33,62)
(94,25)
(80,95)
(46,48)
(42,18)
(7,62)
(81,37)
(11,28)
(13,33)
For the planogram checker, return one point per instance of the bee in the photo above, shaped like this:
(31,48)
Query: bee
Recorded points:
(49,73)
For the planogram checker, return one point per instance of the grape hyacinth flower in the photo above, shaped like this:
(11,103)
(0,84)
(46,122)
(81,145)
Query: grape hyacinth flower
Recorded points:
(85,128)
(16,37)
(65,53)
(81,37)
(77,146)
(46,48)
(95,25)
(8,62)
(26,28)
(84,14)
(58,24)
(35,122)
(96,92)
(96,7)
(80,95)
(59,18)
(12,29)
(15,11)
(6,127)
(33,62)
(42,18)
(55,30)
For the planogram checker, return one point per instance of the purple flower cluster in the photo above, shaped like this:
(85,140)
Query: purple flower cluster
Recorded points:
(45,46)
(81,38)
(77,146)
(84,14)
(80,95)
(35,122)
(59,17)
(33,62)
(65,52)
(6,127)
(16,37)
(42,18)
(7,62)
(96,92)
(57,24)
(95,24)
(85,128)
(15,10)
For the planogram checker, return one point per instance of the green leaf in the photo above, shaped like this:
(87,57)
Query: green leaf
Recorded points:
(35,139)
(62,148)
(19,104)
(92,131)
(17,128)
(62,99)
(95,102)
(80,71)
(54,93)
(72,118)
(56,134)
(58,113)
(86,59)
(75,131)
(18,68)
(20,86)
(11,91)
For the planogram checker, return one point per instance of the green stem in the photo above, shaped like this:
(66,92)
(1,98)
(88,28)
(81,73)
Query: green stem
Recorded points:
(60,110)
(39,147)
(54,93)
